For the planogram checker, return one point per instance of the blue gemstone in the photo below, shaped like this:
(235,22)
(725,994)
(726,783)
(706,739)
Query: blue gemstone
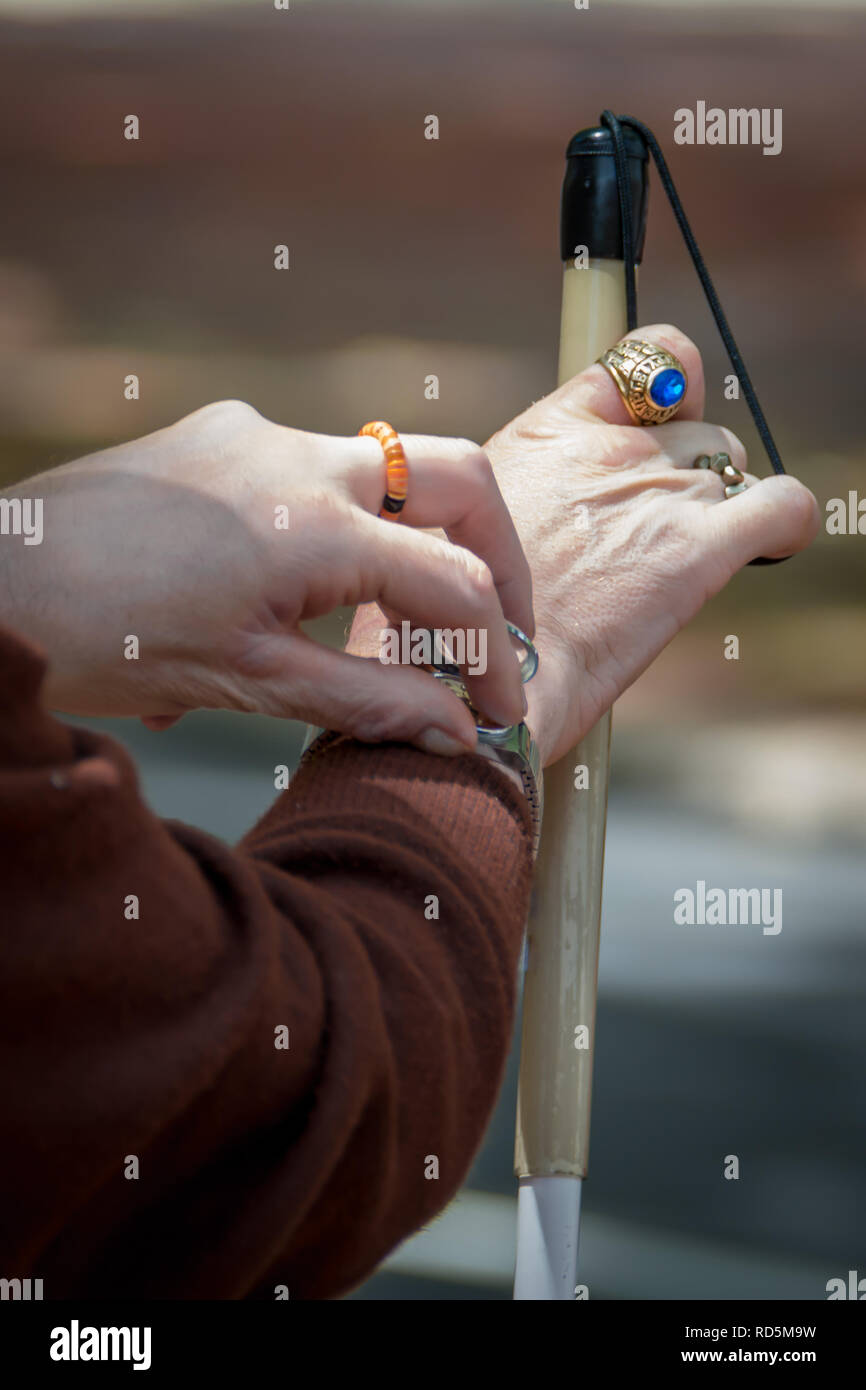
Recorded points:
(668,388)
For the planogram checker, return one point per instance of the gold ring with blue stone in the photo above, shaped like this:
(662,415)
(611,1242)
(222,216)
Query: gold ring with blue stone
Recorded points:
(651,381)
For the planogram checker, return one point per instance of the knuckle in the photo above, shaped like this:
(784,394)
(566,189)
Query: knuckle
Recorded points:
(466,448)
(703,483)
(672,334)
(230,412)
(677,342)
(380,723)
(622,446)
(480,583)
(477,467)
(736,449)
(802,505)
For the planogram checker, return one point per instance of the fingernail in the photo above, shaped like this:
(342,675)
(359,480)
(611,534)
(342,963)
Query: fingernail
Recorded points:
(501,719)
(437,741)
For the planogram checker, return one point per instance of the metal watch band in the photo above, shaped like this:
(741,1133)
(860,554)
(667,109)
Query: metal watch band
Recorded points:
(515,749)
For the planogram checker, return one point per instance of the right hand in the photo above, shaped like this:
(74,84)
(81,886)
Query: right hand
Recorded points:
(172,539)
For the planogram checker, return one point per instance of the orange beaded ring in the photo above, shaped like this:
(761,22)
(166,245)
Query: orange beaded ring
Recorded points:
(397,470)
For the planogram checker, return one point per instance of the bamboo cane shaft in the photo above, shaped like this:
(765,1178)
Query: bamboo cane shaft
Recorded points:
(553,1108)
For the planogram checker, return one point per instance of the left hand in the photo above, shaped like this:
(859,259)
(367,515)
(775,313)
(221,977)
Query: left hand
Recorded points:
(625,539)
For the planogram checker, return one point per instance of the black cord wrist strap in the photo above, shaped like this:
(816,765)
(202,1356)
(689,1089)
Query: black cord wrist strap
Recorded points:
(614,125)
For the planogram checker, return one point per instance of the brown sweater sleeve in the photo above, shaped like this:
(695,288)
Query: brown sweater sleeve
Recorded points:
(154,1139)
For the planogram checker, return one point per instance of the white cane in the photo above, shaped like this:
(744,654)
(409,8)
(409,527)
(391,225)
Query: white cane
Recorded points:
(557,1046)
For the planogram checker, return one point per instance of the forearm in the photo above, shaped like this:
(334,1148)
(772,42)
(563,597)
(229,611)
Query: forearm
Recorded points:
(51,588)
(428,861)
(375,914)
(22,553)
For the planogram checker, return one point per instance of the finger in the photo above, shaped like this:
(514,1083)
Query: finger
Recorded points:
(159,722)
(451,486)
(593,395)
(679,443)
(777,516)
(435,584)
(362,697)
(666,457)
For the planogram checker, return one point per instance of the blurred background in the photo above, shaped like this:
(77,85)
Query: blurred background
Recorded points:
(411,257)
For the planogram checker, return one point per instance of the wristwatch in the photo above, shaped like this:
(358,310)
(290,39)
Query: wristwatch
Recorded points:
(510,747)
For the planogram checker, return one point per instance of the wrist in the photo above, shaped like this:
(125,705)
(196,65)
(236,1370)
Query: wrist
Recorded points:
(551,696)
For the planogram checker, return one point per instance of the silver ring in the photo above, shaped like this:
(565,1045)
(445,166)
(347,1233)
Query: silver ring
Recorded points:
(529,664)
(449,673)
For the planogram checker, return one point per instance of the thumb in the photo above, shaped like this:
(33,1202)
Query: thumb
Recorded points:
(777,516)
(373,702)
